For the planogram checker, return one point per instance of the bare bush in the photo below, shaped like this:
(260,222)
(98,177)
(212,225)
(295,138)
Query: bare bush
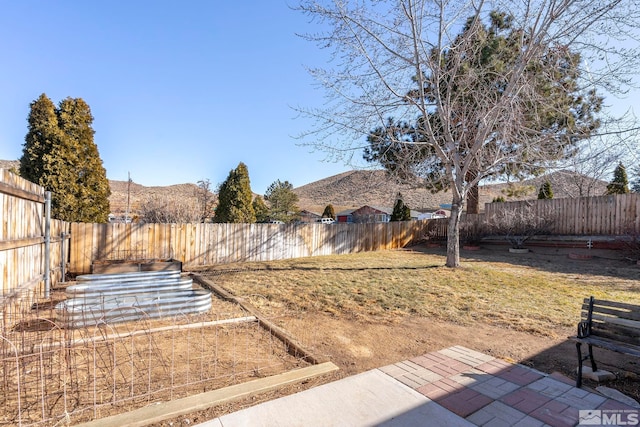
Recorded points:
(519,223)
(630,242)
(169,209)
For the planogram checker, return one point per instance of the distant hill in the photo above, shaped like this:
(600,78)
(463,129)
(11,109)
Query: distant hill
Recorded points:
(8,164)
(139,194)
(358,188)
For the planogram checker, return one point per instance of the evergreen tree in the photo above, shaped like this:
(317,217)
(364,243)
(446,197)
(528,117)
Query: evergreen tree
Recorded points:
(406,213)
(59,153)
(401,212)
(282,201)
(545,191)
(620,183)
(261,209)
(42,136)
(329,212)
(235,198)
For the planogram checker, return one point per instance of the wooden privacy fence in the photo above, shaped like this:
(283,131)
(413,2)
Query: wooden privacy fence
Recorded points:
(613,215)
(209,244)
(25,236)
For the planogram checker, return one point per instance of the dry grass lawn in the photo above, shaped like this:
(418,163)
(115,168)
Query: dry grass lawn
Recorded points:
(534,297)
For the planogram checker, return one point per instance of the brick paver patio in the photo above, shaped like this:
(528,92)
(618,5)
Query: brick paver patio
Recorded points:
(490,392)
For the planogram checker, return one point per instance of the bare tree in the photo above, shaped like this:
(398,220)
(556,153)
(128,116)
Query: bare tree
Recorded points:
(169,209)
(587,173)
(410,60)
(519,222)
(205,198)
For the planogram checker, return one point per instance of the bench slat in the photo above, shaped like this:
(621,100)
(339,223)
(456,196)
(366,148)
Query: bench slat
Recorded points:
(613,345)
(623,313)
(624,332)
(614,311)
(616,304)
(607,303)
(615,335)
(630,324)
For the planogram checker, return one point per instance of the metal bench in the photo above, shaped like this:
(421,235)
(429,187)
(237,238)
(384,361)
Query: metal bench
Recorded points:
(609,325)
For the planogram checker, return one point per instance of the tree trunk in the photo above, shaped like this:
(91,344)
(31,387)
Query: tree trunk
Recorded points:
(473,196)
(473,200)
(453,236)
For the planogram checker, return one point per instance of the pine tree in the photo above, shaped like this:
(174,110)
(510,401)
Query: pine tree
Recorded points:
(329,212)
(261,210)
(235,198)
(282,201)
(401,212)
(42,136)
(545,191)
(620,183)
(470,78)
(59,153)
(87,178)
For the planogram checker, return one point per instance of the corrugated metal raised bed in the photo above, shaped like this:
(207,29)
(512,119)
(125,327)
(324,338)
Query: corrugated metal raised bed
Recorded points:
(113,298)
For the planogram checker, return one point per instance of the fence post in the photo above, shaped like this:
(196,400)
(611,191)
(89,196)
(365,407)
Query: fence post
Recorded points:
(63,255)
(47,243)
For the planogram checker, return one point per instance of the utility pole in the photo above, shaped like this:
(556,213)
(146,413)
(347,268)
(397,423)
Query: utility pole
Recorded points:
(126,215)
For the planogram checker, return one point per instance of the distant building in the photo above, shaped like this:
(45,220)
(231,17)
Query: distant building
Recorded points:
(373,214)
(440,213)
(368,214)
(345,216)
(309,217)
(119,218)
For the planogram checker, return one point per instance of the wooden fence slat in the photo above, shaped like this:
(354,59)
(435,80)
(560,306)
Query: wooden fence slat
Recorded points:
(22,236)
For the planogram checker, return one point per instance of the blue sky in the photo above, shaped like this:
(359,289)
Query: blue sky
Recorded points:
(179,90)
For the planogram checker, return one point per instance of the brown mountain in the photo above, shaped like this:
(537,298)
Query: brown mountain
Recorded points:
(375,188)
(138,194)
(358,188)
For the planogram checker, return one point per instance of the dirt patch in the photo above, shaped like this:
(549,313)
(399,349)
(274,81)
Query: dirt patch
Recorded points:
(357,347)
(49,374)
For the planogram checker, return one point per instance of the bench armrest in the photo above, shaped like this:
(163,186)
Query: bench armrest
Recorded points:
(584,329)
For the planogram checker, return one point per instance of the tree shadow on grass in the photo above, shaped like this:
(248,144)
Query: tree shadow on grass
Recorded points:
(554,260)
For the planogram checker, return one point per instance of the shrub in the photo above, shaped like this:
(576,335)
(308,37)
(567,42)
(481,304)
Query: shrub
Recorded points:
(519,223)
